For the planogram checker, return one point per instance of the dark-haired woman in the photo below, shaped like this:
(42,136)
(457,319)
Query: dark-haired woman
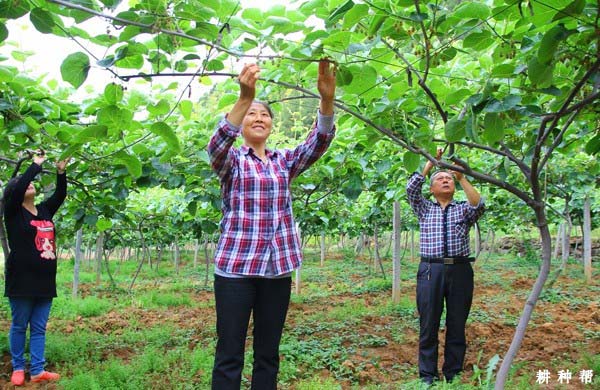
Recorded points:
(258,247)
(31,267)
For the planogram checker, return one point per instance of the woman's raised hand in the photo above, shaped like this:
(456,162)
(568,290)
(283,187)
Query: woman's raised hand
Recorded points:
(39,157)
(247,79)
(61,166)
(326,85)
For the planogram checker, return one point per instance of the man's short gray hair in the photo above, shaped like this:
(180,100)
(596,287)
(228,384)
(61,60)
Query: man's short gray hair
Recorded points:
(434,174)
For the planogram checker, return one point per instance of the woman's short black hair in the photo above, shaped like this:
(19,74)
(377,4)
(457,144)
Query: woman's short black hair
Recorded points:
(265,105)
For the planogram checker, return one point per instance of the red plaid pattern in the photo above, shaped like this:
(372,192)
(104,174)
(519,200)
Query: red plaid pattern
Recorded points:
(258,223)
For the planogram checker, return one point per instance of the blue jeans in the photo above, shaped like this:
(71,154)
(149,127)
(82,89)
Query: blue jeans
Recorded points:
(32,312)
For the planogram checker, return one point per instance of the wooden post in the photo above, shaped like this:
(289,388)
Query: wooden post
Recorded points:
(77,261)
(196,246)
(396,222)
(587,240)
(322,248)
(297,276)
(559,230)
(99,252)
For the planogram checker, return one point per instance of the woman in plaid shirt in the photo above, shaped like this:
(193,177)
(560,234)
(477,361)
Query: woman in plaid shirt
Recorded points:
(258,247)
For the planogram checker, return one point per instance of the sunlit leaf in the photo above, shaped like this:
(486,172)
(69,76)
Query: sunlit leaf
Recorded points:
(411,161)
(493,128)
(74,69)
(113,93)
(131,162)
(3,32)
(455,130)
(42,20)
(167,134)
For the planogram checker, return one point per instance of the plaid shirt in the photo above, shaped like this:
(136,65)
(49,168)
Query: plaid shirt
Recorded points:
(258,224)
(444,232)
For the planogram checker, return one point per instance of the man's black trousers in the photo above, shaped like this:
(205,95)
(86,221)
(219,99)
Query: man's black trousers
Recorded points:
(235,299)
(436,283)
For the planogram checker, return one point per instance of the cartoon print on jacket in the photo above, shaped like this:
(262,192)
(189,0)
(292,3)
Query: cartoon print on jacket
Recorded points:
(44,239)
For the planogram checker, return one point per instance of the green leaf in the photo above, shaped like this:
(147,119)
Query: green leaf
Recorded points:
(455,129)
(31,122)
(478,40)
(227,100)
(339,12)
(74,69)
(70,151)
(375,24)
(42,20)
(550,42)
(593,146)
(539,74)
(113,93)
(343,76)
(185,107)
(504,71)
(167,134)
(472,10)
(353,187)
(131,162)
(114,118)
(160,108)
(493,128)
(575,8)
(90,219)
(3,32)
(13,9)
(91,133)
(354,15)
(411,161)
(457,96)
(103,224)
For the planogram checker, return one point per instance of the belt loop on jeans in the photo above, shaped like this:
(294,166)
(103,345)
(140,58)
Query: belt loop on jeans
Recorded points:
(448,260)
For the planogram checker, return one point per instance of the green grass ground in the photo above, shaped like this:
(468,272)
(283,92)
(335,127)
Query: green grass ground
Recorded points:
(342,332)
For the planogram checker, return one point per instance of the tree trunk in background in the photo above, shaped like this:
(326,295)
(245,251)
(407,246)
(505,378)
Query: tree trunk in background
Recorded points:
(99,251)
(396,238)
(323,248)
(77,261)
(140,261)
(587,240)
(360,242)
